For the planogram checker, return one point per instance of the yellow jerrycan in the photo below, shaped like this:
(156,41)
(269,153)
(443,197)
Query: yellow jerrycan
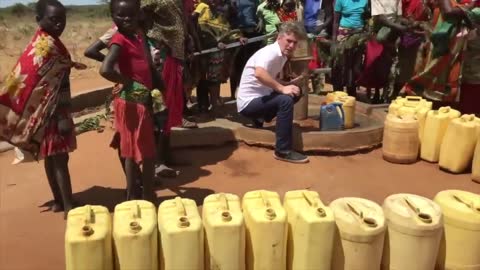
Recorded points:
(459,248)
(359,236)
(435,126)
(476,163)
(400,139)
(266,230)
(311,228)
(224,231)
(135,235)
(408,105)
(415,227)
(458,145)
(333,96)
(420,111)
(181,235)
(88,239)
(348,105)
(395,105)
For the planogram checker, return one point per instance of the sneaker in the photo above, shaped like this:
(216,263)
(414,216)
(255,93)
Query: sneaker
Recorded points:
(188,124)
(164,171)
(257,123)
(291,156)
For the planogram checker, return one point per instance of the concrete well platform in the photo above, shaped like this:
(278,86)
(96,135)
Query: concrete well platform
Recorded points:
(229,126)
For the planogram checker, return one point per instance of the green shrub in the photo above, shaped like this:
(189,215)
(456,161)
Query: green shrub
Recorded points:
(19,9)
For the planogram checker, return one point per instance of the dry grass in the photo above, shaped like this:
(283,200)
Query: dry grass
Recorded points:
(83,28)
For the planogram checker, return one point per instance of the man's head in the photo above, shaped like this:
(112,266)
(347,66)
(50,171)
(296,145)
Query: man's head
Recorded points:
(289,34)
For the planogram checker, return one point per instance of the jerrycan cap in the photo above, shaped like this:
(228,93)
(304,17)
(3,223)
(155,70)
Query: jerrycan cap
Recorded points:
(226,216)
(135,227)
(87,230)
(321,212)
(270,214)
(183,222)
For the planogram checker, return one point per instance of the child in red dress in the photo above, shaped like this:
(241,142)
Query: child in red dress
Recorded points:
(133,105)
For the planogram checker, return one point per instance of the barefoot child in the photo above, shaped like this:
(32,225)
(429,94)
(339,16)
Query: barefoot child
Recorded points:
(158,53)
(35,101)
(133,113)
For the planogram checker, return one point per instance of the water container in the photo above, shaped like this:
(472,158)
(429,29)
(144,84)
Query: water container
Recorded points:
(459,248)
(266,227)
(476,163)
(311,228)
(458,145)
(333,96)
(181,235)
(408,105)
(359,236)
(332,117)
(348,105)
(395,105)
(414,231)
(400,139)
(88,239)
(224,231)
(418,107)
(135,235)
(435,126)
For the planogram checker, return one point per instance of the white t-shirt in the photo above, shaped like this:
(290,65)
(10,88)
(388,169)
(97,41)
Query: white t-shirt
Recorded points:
(386,7)
(269,58)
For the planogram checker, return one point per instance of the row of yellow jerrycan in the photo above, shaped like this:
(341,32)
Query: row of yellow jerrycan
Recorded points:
(348,105)
(259,233)
(443,135)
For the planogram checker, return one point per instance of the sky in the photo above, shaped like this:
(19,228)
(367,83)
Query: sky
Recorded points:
(6,3)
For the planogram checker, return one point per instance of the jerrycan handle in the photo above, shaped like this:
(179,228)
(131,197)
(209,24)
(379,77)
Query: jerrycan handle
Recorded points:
(369,222)
(467,117)
(414,98)
(343,114)
(183,221)
(315,203)
(269,212)
(136,211)
(445,109)
(467,203)
(87,230)
(423,217)
(226,216)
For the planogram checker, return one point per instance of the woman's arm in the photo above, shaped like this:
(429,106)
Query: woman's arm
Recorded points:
(336,24)
(108,71)
(94,51)
(449,12)
(328,15)
(383,20)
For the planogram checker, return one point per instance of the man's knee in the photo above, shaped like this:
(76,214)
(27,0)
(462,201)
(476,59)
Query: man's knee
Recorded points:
(286,100)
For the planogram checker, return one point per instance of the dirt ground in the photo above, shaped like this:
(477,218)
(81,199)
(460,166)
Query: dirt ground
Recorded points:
(32,238)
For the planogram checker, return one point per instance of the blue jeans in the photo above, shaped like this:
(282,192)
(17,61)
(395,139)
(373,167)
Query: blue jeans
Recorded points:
(269,107)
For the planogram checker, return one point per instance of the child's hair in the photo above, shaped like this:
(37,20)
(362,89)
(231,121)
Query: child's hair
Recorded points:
(42,5)
(114,2)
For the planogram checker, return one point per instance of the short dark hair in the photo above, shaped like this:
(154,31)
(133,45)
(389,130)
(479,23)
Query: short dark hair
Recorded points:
(42,5)
(114,2)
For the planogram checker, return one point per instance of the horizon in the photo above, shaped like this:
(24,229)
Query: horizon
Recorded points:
(8,3)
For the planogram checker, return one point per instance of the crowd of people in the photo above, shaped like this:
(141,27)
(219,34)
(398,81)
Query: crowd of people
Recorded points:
(428,48)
